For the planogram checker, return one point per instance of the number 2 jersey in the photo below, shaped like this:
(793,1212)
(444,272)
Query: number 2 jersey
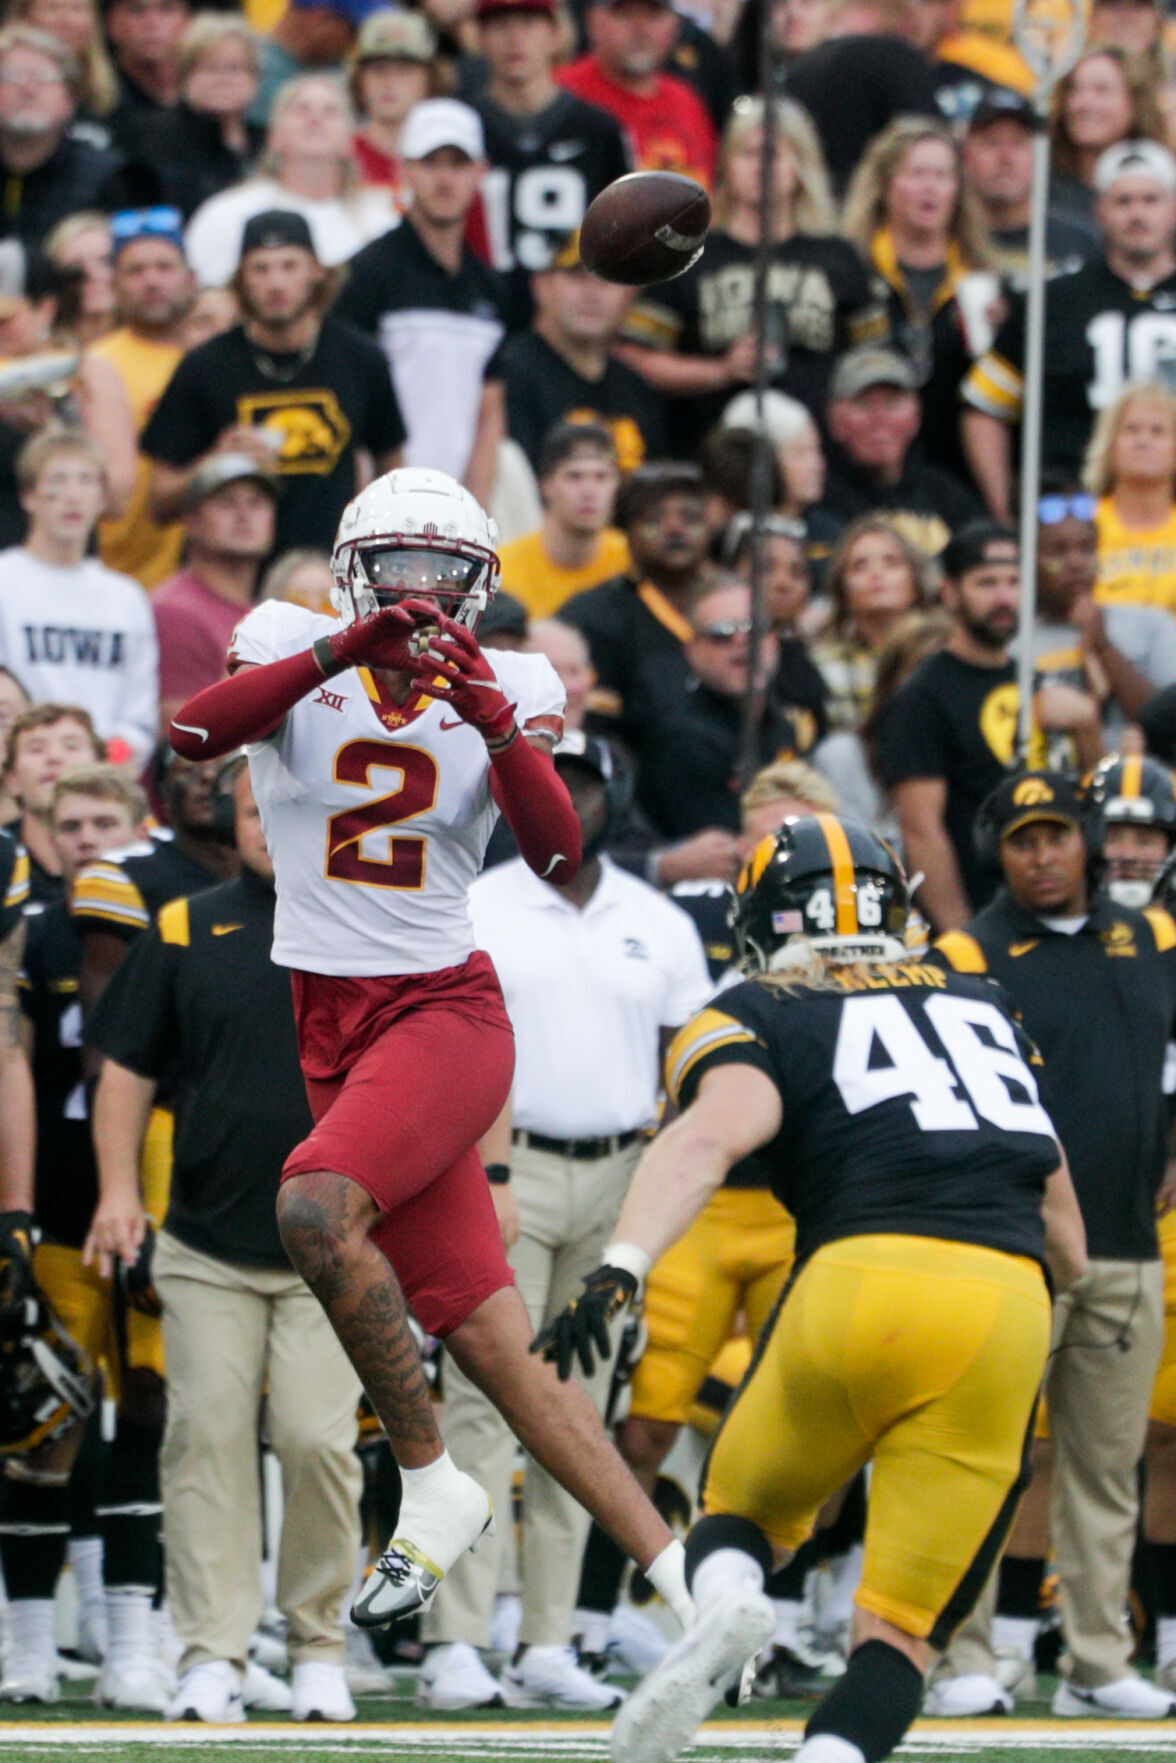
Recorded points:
(910,1104)
(377,816)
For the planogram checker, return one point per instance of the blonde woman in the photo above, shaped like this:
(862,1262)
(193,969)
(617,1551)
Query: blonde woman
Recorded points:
(875,577)
(1131,470)
(693,338)
(910,212)
(206,142)
(82,242)
(1108,96)
(308,167)
(77,24)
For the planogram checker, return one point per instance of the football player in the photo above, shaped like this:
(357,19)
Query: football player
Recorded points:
(897,1110)
(1137,801)
(382,748)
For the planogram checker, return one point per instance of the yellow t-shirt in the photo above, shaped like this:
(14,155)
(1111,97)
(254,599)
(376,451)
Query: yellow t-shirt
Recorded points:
(1136,564)
(529,574)
(134,544)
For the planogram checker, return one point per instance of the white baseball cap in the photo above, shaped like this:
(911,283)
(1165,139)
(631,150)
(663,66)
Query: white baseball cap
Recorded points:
(441,122)
(1135,159)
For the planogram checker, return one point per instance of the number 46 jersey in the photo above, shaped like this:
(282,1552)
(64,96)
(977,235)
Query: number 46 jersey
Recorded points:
(910,1104)
(376,816)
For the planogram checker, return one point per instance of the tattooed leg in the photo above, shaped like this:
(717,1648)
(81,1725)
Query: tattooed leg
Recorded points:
(324,1220)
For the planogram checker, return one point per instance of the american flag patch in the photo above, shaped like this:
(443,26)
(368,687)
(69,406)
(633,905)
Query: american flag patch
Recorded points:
(784,922)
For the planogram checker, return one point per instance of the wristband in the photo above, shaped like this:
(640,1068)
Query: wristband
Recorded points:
(630,1259)
(498,1174)
(329,663)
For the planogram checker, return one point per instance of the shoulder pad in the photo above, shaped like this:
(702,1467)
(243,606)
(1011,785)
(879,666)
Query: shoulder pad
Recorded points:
(962,951)
(711,1028)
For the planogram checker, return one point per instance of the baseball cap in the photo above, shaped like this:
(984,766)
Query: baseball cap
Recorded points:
(1135,159)
(860,369)
(489,8)
(442,122)
(1034,795)
(1003,105)
(221,469)
(969,547)
(393,35)
(504,617)
(277,227)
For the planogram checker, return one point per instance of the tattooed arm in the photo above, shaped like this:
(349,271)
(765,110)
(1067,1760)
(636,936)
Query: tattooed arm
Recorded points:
(17,1112)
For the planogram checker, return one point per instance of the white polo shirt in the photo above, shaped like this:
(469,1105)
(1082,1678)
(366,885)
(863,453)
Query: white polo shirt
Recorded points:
(587,991)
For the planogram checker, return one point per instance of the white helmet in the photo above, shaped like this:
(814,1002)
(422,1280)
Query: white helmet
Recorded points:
(415,531)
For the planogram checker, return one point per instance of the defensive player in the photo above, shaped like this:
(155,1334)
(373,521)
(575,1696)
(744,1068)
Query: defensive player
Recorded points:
(899,1114)
(382,748)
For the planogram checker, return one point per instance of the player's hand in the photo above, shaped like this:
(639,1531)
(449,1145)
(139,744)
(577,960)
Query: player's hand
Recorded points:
(116,1233)
(385,638)
(460,675)
(582,1330)
(506,1206)
(18,1238)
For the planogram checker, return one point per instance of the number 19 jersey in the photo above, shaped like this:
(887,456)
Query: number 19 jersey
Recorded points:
(377,816)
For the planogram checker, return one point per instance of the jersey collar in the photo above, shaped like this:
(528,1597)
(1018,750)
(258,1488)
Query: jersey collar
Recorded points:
(393,716)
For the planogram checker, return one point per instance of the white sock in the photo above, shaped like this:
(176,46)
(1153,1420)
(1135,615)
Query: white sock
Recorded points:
(34,1635)
(1018,1634)
(788,1614)
(667,1575)
(826,1747)
(591,1630)
(423,1486)
(726,1570)
(1165,1640)
(130,1626)
(85,1557)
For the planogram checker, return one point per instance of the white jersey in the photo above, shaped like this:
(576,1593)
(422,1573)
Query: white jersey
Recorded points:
(376,830)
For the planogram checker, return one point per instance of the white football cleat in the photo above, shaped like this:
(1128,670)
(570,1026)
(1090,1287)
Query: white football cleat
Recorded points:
(321,1692)
(30,1680)
(136,1683)
(260,1689)
(453,1677)
(428,1540)
(664,1713)
(1129,1698)
(552,1677)
(210,1691)
(961,1698)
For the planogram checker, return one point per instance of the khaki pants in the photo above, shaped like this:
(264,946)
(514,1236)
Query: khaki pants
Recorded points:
(237,1338)
(1098,1395)
(567,1214)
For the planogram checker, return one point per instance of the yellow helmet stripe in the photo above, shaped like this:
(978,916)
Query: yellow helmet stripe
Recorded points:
(844,891)
(1132,776)
(758,862)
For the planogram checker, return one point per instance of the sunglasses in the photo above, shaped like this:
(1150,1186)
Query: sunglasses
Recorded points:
(147,223)
(725,629)
(1052,510)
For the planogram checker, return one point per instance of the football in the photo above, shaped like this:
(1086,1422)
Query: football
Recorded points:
(646,227)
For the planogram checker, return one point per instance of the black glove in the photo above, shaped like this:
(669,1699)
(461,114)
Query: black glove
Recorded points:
(138,1281)
(19,1236)
(583,1326)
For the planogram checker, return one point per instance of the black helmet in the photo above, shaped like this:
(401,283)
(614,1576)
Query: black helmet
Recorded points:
(47,1381)
(1133,791)
(831,881)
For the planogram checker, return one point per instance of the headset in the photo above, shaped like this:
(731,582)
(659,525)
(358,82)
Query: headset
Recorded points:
(224,807)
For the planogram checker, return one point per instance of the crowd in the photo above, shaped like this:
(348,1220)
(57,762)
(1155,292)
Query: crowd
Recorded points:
(251,259)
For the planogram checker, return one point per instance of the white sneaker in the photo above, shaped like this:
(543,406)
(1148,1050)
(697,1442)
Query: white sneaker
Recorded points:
(956,1698)
(136,1683)
(634,1641)
(664,1713)
(210,1691)
(365,1675)
(453,1676)
(1130,1698)
(1016,1674)
(260,1689)
(552,1677)
(321,1692)
(428,1540)
(30,1680)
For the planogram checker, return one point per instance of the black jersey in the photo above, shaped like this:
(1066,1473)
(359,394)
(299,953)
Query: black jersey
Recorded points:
(1100,333)
(66,1173)
(910,1106)
(14,882)
(708,903)
(122,892)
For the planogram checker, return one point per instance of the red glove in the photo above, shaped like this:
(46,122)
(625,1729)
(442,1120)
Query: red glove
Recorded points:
(382,639)
(460,675)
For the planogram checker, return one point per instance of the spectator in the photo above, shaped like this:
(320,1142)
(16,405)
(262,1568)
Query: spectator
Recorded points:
(72,630)
(78,24)
(1138,28)
(968,64)
(998,170)
(393,67)
(214,311)
(229,532)
(307,169)
(564,363)
(1106,324)
(200,1005)
(910,212)
(436,310)
(873,417)
(567,651)
(862,75)
(42,743)
(84,242)
(730,459)
(875,577)
(48,172)
(205,142)
(630,43)
(144,37)
(576,547)
(303,578)
(1107,97)
(288,386)
(800,456)
(154,291)
(13,701)
(697,332)
(1131,468)
(786,583)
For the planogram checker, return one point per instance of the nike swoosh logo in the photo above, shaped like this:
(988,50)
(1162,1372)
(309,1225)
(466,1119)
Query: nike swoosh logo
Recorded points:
(558,858)
(222,930)
(457,724)
(187,729)
(1023,948)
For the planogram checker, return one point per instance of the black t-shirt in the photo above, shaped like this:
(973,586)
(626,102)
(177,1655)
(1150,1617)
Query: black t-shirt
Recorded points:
(910,1107)
(852,87)
(339,399)
(199,994)
(66,1173)
(689,776)
(927,504)
(543,389)
(820,303)
(957,722)
(636,639)
(77,175)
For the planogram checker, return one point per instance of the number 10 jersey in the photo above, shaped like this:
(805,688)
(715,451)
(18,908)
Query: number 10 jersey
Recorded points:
(376,816)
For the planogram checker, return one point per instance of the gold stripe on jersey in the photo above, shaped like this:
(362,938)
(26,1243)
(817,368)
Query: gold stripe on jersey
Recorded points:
(841,857)
(995,386)
(175,925)
(103,890)
(1163,927)
(963,951)
(1132,779)
(703,1034)
(19,880)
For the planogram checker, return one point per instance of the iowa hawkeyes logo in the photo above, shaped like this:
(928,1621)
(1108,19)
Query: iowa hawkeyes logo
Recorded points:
(310,424)
(1032,791)
(1118,939)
